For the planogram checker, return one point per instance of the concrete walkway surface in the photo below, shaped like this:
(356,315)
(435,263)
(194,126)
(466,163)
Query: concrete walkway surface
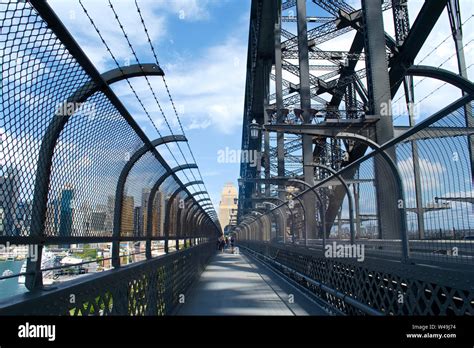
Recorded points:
(239,285)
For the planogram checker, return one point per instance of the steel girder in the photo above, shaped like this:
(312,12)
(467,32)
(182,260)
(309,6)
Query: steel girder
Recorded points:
(351,19)
(424,23)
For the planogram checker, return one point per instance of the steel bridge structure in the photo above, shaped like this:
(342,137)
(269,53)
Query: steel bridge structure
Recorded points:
(339,168)
(363,210)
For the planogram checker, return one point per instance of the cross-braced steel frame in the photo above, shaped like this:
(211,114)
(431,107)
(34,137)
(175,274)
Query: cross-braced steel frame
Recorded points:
(331,139)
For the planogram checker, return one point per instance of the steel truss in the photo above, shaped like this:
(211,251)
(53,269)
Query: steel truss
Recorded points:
(340,120)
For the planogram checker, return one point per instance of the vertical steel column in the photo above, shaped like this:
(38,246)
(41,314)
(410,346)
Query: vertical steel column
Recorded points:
(454,12)
(356,189)
(267,66)
(305,95)
(280,115)
(380,106)
(279,97)
(402,28)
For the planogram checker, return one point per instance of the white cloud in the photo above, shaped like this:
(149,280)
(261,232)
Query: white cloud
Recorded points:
(211,87)
(189,10)
(430,171)
(155,14)
(208,90)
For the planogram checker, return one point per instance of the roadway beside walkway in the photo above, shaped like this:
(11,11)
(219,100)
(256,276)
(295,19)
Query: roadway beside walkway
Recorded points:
(239,285)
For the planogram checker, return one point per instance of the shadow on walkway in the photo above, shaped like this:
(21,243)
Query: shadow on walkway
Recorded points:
(236,285)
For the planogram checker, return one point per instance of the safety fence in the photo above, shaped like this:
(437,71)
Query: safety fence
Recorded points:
(152,287)
(373,287)
(408,199)
(75,167)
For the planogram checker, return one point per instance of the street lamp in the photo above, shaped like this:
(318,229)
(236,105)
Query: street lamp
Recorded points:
(254,130)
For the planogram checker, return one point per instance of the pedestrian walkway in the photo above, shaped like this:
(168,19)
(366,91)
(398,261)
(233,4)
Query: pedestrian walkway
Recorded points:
(239,285)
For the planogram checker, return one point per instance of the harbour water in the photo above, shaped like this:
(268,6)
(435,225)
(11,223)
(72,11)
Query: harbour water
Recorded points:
(10,287)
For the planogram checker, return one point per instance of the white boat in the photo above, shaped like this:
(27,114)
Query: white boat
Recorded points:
(47,261)
(69,260)
(7,273)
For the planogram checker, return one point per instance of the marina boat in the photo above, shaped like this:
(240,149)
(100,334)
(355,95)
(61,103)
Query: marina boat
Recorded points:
(48,260)
(7,273)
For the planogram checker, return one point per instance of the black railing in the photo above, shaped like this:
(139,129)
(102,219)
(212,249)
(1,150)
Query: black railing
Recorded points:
(151,287)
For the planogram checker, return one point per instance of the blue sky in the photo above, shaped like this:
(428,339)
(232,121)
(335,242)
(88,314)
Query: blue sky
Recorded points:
(202,47)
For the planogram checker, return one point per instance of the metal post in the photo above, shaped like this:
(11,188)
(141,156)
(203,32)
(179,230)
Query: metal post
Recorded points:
(321,203)
(305,97)
(267,65)
(402,29)
(454,12)
(400,196)
(380,106)
(350,199)
(356,189)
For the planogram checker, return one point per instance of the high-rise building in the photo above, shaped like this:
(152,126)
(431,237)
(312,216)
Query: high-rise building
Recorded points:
(109,220)
(66,206)
(159,214)
(227,205)
(128,210)
(53,215)
(98,219)
(23,216)
(82,219)
(66,213)
(137,221)
(9,194)
(144,211)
